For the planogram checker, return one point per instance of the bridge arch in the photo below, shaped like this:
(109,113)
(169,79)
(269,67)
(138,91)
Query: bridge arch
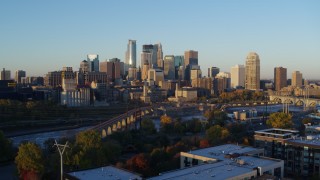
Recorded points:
(103,133)
(119,125)
(109,131)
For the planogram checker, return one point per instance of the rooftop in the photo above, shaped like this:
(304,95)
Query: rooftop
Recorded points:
(107,172)
(277,131)
(219,152)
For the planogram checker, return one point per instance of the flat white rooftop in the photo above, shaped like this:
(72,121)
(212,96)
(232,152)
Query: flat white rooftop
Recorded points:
(219,170)
(103,173)
(219,152)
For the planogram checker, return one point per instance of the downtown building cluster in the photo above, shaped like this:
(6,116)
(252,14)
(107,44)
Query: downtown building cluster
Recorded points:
(157,77)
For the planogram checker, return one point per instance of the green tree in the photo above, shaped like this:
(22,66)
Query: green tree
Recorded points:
(6,148)
(87,151)
(216,134)
(30,162)
(216,117)
(280,120)
(148,126)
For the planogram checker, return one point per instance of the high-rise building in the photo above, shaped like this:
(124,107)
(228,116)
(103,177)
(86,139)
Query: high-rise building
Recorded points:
(169,68)
(112,68)
(146,59)
(237,76)
(213,71)
(93,59)
(131,55)
(19,74)
(190,57)
(155,76)
(85,66)
(280,78)
(152,49)
(178,61)
(159,55)
(5,74)
(53,79)
(296,79)
(252,81)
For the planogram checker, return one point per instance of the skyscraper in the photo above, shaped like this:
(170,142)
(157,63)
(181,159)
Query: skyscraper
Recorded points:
(112,68)
(19,74)
(213,71)
(237,76)
(280,78)
(169,68)
(159,55)
(131,55)
(296,79)
(145,59)
(190,57)
(5,74)
(93,59)
(252,81)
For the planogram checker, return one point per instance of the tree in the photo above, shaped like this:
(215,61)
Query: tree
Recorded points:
(87,151)
(148,126)
(164,119)
(6,148)
(280,120)
(216,134)
(204,143)
(307,120)
(30,161)
(216,117)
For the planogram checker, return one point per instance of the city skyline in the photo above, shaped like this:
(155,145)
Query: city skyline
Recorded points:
(39,37)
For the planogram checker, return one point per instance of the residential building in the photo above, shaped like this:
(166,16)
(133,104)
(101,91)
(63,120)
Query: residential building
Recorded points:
(227,161)
(237,76)
(301,155)
(280,78)
(252,81)
(296,79)
(53,79)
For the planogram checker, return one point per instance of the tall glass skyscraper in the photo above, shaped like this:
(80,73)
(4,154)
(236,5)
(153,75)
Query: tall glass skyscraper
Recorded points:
(93,59)
(131,55)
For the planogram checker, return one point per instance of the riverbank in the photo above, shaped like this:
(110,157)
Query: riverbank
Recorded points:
(10,134)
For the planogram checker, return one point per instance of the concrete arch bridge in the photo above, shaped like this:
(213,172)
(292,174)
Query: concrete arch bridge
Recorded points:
(299,101)
(128,120)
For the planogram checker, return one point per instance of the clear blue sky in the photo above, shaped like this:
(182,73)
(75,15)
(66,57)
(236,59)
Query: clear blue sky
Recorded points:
(40,36)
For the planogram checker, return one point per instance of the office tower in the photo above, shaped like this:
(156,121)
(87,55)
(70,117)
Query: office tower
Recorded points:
(85,66)
(132,74)
(213,71)
(67,73)
(19,74)
(146,59)
(296,79)
(181,72)
(190,57)
(169,69)
(227,78)
(53,79)
(252,81)
(178,61)
(280,78)
(237,76)
(152,49)
(131,55)
(159,55)
(5,74)
(93,59)
(155,76)
(112,68)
